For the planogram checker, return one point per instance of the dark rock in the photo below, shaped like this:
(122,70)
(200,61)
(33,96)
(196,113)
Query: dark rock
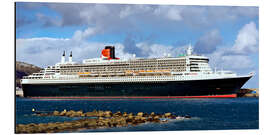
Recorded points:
(118,113)
(129,118)
(145,115)
(150,119)
(172,117)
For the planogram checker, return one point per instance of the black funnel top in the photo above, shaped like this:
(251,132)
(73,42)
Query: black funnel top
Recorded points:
(112,51)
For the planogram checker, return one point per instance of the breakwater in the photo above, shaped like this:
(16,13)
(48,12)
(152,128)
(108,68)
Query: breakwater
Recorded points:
(94,120)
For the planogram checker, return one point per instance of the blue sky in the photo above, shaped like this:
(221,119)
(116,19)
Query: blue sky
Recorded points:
(227,35)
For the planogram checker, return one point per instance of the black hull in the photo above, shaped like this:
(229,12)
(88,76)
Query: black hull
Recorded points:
(176,88)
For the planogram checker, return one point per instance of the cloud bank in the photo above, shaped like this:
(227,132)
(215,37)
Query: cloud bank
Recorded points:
(47,51)
(238,56)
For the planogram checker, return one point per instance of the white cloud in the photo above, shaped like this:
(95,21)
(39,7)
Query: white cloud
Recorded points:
(221,60)
(159,50)
(236,62)
(238,56)
(40,51)
(169,12)
(48,51)
(247,39)
(82,35)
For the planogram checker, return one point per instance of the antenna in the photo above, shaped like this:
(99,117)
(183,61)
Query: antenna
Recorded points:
(189,50)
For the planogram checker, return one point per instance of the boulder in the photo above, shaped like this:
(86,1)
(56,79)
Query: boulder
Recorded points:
(118,113)
(121,122)
(150,119)
(77,124)
(69,113)
(80,112)
(91,114)
(83,115)
(143,119)
(145,115)
(74,115)
(156,117)
(125,114)
(172,117)
(56,113)
(167,115)
(90,123)
(138,119)
(140,114)
(107,114)
(100,114)
(51,126)
(100,118)
(129,118)
(63,113)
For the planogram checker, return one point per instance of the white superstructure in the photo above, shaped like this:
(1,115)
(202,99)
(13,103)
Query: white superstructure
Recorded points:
(99,70)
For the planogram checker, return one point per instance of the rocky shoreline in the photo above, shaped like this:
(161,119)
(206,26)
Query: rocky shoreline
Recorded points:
(248,92)
(93,120)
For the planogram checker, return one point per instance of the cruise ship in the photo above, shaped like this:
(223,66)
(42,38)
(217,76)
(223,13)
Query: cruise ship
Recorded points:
(186,76)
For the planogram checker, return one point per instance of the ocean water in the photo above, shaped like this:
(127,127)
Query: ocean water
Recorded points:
(206,114)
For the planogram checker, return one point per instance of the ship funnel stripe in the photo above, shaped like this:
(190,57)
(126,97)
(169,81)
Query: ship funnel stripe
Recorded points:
(109,52)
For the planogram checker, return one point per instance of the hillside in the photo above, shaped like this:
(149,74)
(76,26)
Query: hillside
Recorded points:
(23,69)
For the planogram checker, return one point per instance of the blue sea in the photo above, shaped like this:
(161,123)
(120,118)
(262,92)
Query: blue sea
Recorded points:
(206,113)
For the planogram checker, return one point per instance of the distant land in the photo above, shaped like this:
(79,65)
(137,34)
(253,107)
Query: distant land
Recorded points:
(24,69)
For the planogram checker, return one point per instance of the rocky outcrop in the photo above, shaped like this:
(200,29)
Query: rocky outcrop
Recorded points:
(24,69)
(92,120)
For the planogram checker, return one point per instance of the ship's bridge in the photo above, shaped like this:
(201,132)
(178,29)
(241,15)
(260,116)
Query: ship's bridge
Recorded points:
(198,64)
